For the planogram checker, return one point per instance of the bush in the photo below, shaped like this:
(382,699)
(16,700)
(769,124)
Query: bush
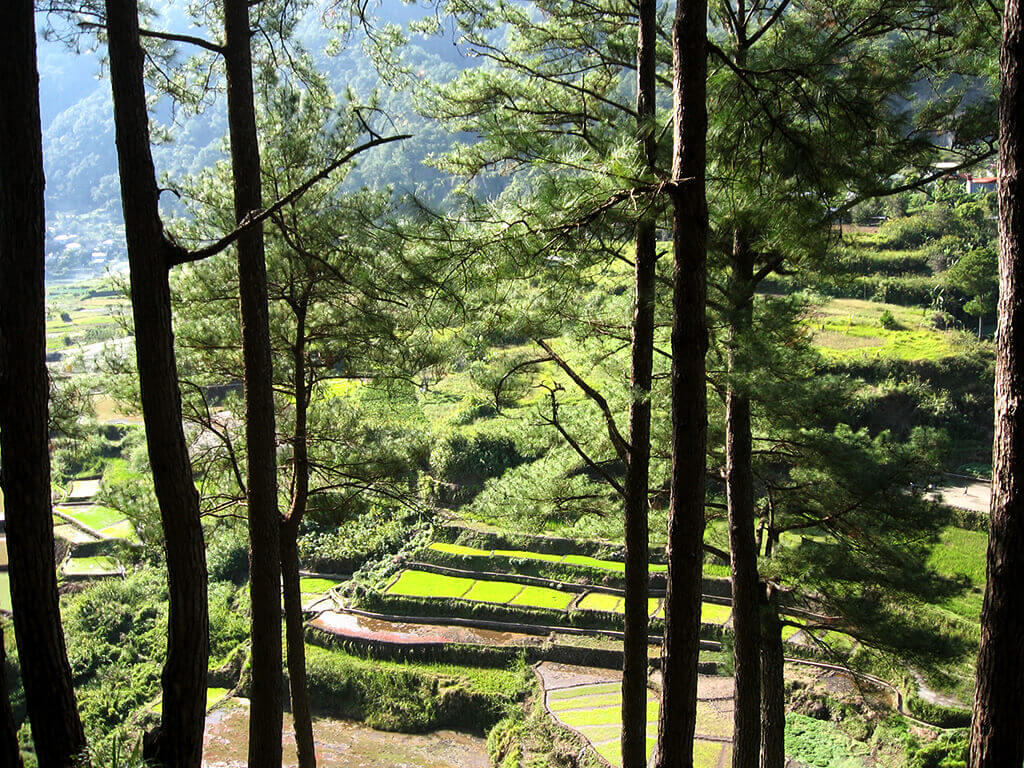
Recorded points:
(888,321)
(411,697)
(227,554)
(460,464)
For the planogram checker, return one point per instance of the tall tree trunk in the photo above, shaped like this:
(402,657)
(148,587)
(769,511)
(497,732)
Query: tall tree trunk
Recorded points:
(179,740)
(997,729)
(296,646)
(773,689)
(295,636)
(24,400)
(10,753)
(634,661)
(739,483)
(265,714)
(680,650)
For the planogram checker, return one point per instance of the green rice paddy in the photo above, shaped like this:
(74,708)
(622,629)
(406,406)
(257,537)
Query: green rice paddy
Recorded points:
(713,613)
(90,566)
(493,591)
(542,597)
(316,586)
(425,584)
(93,516)
(584,561)
(595,711)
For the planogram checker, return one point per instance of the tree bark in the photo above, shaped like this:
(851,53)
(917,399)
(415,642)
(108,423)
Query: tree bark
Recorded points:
(10,753)
(997,728)
(179,740)
(739,483)
(295,637)
(681,647)
(634,662)
(24,401)
(265,714)
(302,717)
(773,689)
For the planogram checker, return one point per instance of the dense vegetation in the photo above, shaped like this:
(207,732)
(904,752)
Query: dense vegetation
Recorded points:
(457,411)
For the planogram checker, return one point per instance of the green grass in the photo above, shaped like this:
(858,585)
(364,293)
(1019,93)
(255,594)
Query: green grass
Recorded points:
(122,530)
(424,584)
(590,701)
(493,591)
(213,696)
(608,714)
(820,744)
(339,387)
(316,586)
(84,489)
(96,517)
(542,597)
(960,553)
(87,566)
(523,555)
(592,562)
(705,753)
(713,613)
(458,549)
(788,632)
(596,733)
(581,691)
(599,601)
(851,329)
(596,712)
(5,591)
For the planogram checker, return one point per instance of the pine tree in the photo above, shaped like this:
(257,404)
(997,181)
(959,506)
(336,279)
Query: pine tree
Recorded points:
(997,727)
(24,397)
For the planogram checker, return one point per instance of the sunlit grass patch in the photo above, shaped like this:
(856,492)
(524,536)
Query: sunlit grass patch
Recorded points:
(600,601)
(524,555)
(424,584)
(458,549)
(94,516)
(122,530)
(851,329)
(542,597)
(582,690)
(89,566)
(713,613)
(493,591)
(311,585)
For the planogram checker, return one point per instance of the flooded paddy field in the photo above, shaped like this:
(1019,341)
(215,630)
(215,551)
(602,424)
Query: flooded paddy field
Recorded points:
(342,743)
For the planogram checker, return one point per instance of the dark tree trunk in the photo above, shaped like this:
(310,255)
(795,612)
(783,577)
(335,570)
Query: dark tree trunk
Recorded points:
(301,713)
(997,729)
(739,483)
(773,688)
(24,400)
(265,714)
(689,411)
(10,754)
(295,636)
(634,663)
(179,740)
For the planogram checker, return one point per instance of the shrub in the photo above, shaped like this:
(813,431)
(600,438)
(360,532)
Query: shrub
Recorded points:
(460,464)
(227,554)
(888,321)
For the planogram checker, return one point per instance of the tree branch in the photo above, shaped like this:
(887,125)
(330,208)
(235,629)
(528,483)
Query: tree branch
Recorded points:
(177,255)
(622,448)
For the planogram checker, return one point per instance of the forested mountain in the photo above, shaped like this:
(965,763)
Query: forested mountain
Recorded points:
(84,222)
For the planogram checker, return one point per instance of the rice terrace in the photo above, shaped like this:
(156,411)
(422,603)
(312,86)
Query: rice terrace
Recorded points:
(534,384)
